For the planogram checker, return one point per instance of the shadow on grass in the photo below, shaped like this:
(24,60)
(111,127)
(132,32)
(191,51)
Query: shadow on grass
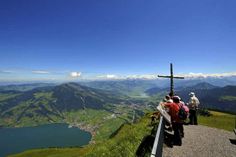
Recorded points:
(145,147)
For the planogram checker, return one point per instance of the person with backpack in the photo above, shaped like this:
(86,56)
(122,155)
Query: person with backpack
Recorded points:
(193,107)
(178,115)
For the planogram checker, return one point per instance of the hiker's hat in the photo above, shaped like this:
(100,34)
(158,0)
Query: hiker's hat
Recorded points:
(191,93)
(176,98)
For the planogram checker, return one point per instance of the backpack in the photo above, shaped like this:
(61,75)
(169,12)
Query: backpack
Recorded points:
(182,114)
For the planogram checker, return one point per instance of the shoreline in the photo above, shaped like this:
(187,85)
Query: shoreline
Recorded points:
(86,128)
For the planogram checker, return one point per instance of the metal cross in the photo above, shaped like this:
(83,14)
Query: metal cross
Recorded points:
(172,77)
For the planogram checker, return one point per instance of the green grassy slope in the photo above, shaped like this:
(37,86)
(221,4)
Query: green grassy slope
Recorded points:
(35,110)
(125,143)
(219,120)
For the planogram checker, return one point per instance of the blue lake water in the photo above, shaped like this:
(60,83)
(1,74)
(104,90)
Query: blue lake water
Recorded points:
(15,140)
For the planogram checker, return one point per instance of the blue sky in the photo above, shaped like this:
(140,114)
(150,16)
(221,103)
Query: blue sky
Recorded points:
(49,39)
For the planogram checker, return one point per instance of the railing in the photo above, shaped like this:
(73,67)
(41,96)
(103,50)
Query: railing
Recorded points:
(159,139)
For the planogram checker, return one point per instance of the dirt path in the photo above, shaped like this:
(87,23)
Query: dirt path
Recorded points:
(202,141)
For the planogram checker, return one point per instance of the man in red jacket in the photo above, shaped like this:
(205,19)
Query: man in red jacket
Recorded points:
(177,123)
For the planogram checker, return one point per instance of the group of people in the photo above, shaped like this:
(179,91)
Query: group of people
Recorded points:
(179,111)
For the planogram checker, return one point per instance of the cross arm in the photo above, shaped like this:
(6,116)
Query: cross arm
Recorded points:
(164,76)
(176,77)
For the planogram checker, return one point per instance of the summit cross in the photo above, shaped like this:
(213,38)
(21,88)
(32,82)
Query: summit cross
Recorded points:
(171,77)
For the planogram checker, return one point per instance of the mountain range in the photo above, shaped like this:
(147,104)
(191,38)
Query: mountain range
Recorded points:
(132,87)
(44,103)
(135,87)
(51,102)
(24,87)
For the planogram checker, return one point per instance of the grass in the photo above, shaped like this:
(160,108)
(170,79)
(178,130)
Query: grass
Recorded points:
(44,95)
(125,143)
(52,152)
(108,128)
(219,120)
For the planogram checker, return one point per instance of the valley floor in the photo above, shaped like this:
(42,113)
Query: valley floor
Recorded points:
(203,141)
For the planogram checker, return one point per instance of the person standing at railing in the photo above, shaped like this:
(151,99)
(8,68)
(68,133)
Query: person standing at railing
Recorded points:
(176,122)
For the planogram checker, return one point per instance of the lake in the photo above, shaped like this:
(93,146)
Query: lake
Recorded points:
(15,140)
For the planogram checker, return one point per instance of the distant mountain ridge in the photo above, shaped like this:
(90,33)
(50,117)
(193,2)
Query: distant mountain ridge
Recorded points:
(203,85)
(24,87)
(137,86)
(128,87)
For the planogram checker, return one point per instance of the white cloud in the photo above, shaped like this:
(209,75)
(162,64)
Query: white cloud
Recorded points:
(108,77)
(40,72)
(145,76)
(6,71)
(214,75)
(154,76)
(122,77)
(111,76)
(75,74)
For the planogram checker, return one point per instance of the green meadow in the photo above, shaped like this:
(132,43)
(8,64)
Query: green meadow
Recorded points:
(219,120)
